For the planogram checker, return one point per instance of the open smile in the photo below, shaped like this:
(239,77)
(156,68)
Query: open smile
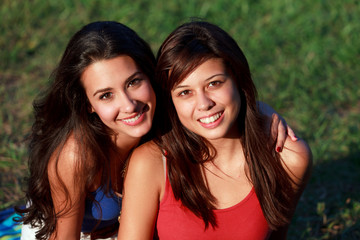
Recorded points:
(212,121)
(136,118)
(133,119)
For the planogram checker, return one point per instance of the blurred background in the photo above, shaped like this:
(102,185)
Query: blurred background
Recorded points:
(304,56)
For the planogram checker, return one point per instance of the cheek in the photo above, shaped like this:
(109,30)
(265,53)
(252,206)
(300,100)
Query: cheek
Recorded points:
(106,113)
(178,107)
(146,94)
(184,110)
(235,100)
(230,96)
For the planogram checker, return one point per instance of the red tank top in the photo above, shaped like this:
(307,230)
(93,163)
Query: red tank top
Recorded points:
(244,220)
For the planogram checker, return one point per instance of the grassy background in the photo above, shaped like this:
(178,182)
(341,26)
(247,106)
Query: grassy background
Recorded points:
(304,57)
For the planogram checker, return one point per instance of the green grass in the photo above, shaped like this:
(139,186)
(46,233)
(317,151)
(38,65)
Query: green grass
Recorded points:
(304,58)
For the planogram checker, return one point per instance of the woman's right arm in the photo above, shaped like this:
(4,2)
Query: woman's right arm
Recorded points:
(143,186)
(71,205)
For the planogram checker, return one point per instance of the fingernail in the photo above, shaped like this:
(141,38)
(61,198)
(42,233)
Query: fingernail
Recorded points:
(278,149)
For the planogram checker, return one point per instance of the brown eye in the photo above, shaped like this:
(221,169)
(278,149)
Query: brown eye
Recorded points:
(106,96)
(134,82)
(184,93)
(214,83)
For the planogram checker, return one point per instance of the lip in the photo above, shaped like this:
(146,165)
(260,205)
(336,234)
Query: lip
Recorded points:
(135,119)
(211,121)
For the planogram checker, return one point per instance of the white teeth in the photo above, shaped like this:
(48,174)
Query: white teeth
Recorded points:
(210,119)
(130,120)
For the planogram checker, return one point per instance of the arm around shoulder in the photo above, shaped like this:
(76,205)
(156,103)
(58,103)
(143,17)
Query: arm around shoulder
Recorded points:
(143,186)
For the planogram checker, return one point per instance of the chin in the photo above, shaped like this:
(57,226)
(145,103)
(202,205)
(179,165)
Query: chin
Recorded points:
(141,133)
(212,136)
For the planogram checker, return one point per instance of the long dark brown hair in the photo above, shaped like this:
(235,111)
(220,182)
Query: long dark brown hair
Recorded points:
(186,48)
(64,109)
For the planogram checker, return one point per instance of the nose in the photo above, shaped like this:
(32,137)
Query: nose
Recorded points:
(126,103)
(204,102)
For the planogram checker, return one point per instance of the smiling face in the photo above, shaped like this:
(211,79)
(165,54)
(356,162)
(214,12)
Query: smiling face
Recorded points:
(121,95)
(207,101)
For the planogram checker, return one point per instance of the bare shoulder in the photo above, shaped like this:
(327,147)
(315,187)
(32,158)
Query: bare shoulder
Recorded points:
(297,158)
(149,149)
(63,161)
(143,188)
(146,156)
(146,164)
(67,189)
(145,172)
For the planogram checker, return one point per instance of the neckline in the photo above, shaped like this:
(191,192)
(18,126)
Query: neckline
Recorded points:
(169,188)
(242,202)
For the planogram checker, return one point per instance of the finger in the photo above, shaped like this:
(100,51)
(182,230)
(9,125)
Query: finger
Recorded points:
(281,136)
(291,133)
(275,121)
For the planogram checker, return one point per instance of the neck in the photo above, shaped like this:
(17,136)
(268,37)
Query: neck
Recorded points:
(119,160)
(229,160)
(125,146)
(227,148)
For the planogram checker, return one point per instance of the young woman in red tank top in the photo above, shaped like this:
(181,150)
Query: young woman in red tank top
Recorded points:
(213,172)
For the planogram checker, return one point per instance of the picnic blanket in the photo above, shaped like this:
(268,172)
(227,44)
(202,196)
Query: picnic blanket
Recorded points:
(9,229)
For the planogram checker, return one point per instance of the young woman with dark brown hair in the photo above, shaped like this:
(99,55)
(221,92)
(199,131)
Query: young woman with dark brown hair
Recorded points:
(97,109)
(213,171)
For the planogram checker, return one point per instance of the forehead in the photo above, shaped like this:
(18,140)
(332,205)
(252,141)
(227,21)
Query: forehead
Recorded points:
(108,66)
(108,71)
(205,71)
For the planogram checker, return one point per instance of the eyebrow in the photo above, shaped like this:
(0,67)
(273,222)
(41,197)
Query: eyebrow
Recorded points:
(126,81)
(207,79)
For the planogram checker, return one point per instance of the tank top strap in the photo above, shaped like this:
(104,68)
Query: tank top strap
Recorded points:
(164,165)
